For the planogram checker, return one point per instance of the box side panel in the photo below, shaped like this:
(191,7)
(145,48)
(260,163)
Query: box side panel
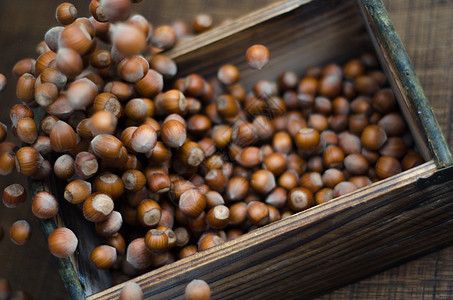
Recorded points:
(405,83)
(313,34)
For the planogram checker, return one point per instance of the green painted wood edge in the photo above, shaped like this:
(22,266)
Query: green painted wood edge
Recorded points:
(419,104)
(64,265)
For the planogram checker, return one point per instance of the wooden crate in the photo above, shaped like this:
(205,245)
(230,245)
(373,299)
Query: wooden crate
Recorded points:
(328,245)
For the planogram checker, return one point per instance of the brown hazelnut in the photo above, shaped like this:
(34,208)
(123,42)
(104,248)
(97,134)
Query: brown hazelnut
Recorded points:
(110,226)
(164,37)
(262,181)
(77,191)
(331,177)
(28,161)
(149,213)
(103,257)
(156,241)
(343,188)
(311,181)
(218,217)
(299,199)
(20,232)
(276,163)
(62,137)
(384,101)
(197,290)
(192,203)
(387,166)
(44,205)
(373,137)
(258,213)
(237,188)
(356,164)
(97,207)
(137,254)
(277,198)
(62,242)
(14,195)
(324,195)
(288,180)
(257,56)
(7,162)
(333,157)
(131,290)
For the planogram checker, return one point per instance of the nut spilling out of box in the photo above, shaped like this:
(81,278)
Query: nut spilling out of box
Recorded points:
(330,244)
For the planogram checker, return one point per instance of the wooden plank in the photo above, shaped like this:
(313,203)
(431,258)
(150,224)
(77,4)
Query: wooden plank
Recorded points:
(407,82)
(313,33)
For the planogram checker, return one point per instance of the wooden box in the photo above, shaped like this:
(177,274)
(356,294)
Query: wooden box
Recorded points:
(331,244)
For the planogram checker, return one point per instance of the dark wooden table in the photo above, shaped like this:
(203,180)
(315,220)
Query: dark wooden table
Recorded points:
(425,28)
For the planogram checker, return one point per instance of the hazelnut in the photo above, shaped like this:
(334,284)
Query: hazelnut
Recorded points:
(131,291)
(77,191)
(173,133)
(44,205)
(197,290)
(257,56)
(149,212)
(110,184)
(151,84)
(137,254)
(277,198)
(164,65)
(159,183)
(299,199)
(343,188)
(262,181)
(7,162)
(62,137)
(192,203)
(333,157)
(128,40)
(103,257)
(258,213)
(218,217)
(14,195)
(276,163)
(387,166)
(311,181)
(164,37)
(110,226)
(156,241)
(208,241)
(20,232)
(28,161)
(62,242)
(373,137)
(356,164)
(324,195)
(97,207)
(237,188)
(117,241)
(228,74)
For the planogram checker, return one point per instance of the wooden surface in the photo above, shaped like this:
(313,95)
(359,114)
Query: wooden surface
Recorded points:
(425,29)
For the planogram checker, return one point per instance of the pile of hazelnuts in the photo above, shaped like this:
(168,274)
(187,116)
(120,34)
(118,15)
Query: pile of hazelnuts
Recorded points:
(165,167)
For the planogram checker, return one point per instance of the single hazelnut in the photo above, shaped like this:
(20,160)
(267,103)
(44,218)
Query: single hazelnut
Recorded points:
(20,232)
(197,289)
(62,242)
(44,205)
(103,257)
(257,56)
